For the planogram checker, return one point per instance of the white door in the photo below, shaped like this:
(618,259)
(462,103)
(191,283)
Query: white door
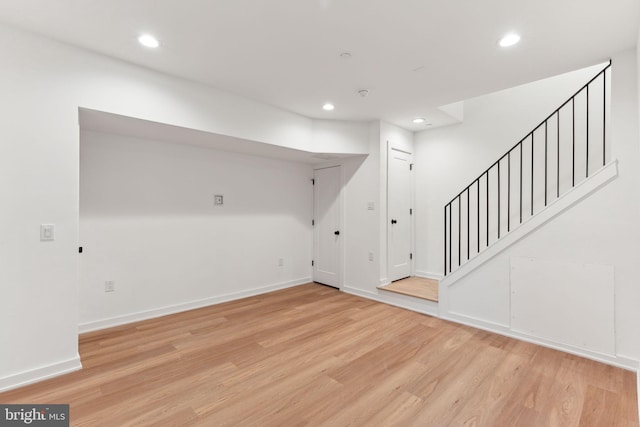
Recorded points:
(399,226)
(326,232)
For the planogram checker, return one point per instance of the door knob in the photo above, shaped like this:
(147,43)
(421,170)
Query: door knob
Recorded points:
(393,221)
(337,233)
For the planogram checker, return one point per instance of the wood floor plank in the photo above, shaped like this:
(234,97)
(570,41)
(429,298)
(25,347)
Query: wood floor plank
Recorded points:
(314,356)
(414,286)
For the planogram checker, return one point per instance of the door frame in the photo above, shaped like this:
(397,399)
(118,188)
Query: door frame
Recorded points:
(341,219)
(390,147)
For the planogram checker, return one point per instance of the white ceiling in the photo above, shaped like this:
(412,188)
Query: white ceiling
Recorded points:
(413,55)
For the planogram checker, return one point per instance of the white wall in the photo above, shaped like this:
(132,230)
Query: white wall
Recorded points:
(336,136)
(449,158)
(42,84)
(602,229)
(148,222)
(361,225)
(365,181)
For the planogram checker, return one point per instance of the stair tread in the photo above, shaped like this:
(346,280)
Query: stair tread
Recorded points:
(418,287)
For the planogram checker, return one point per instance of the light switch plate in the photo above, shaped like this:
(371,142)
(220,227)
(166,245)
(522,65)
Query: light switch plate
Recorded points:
(218,200)
(47,232)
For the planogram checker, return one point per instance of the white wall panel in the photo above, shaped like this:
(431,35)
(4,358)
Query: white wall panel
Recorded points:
(567,303)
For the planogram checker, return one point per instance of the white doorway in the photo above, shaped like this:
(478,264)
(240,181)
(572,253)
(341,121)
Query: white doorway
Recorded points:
(399,213)
(327,237)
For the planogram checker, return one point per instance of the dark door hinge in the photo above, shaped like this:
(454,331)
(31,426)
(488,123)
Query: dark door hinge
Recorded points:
(311,263)
(80,249)
(410,211)
(313,181)
(313,222)
(410,166)
(410,256)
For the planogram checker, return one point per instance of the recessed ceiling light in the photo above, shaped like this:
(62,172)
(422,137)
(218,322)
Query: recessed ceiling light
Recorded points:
(149,41)
(419,120)
(509,40)
(328,106)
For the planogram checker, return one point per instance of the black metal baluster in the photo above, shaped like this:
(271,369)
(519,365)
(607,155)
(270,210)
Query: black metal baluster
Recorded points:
(509,191)
(531,173)
(487,207)
(450,242)
(445,240)
(558,159)
(545,163)
(587,161)
(459,229)
(604,116)
(521,148)
(478,215)
(498,199)
(573,132)
(468,222)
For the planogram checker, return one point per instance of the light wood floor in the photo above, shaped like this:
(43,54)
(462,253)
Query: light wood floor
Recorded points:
(414,286)
(311,355)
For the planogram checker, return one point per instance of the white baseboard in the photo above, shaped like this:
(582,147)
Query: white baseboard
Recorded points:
(429,275)
(163,311)
(497,328)
(408,303)
(39,374)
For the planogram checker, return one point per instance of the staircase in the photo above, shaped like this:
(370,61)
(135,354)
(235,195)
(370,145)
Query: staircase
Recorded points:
(549,164)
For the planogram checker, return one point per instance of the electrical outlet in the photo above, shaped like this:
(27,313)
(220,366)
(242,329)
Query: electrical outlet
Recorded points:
(218,200)
(280,262)
(109,286)
(370,256)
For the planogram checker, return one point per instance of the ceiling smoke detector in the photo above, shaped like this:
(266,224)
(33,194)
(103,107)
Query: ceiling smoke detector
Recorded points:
(363,93)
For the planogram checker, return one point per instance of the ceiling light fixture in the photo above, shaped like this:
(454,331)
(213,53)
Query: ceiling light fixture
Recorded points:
(419,120)
(509,40)
(149,41)
(328,106)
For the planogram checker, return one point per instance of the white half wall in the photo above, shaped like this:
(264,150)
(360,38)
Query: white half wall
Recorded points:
(149,224)
(449,158)
(602,229)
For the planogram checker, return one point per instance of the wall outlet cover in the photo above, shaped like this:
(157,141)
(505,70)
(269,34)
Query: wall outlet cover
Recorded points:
(47,232)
